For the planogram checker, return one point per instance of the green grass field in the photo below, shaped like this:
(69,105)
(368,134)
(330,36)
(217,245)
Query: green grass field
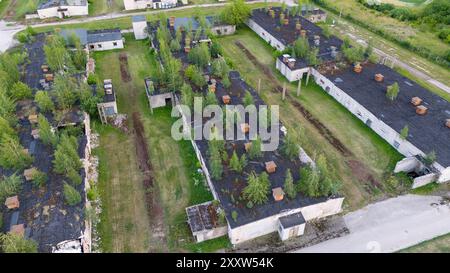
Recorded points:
(368,148)
(16,9)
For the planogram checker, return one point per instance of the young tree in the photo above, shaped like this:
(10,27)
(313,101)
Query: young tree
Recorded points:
(8,108)
(404,132)
(79,56)
(248,99)
(56,53)
(39,178)
(88,101)
(9,63)
(354,54)
(237,164)
(43,100)
(220,68)
(289,147)
(309,181)
(9,186)
(172,73)
(216,165)
(430,158)
(6,129)
(301,47)
(21,91)
(236,13)
(216,49)
(175,45)
(14,243)
(195,76)
(66,155)
(289,186)
(65,89)
(326,31)
(312,58)
(200,55)
(187,96)
(210,99)
(392,91)
(255,149)
(46,134)
(71,195)
(258,188)
(12,155)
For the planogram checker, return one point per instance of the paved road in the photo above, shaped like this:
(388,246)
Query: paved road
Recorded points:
(391,225)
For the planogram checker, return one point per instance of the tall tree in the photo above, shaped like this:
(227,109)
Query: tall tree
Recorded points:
(46,134)
(65,90)
(289,186)
(56,53)
(236,13)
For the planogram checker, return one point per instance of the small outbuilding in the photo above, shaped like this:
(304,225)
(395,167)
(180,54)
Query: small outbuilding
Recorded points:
(291,226)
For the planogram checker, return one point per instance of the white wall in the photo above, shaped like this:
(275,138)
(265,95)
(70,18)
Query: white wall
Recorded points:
(71,11)
(291,75)
(109,45)
(270,224)
(139,29)
(265,35)
(137,4)
(403,146)
(224,30)
(211,234)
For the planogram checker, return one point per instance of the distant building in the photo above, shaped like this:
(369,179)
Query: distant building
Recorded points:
(62,8)
(151,4)
(97,40)
(140,27)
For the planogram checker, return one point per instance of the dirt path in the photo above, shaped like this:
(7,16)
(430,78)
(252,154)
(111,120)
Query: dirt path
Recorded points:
(154,209)
(361,172)
(124,73)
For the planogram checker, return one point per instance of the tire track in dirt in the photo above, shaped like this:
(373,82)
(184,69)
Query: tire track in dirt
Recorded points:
(361,172)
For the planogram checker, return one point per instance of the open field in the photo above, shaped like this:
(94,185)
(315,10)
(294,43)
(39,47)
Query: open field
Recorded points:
(439,244)
(368,149)
(16,9)
(173,166)
(98,7)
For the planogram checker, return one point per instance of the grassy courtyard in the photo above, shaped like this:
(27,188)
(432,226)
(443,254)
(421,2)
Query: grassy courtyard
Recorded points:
(371,154)
(125,224)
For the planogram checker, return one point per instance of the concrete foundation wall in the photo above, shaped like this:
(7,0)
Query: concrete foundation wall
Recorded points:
(160,100)
(211,234)
(424,180)
(71,11)
(408,164)
(270,224)
(275,43)
(102,46)
(224,30)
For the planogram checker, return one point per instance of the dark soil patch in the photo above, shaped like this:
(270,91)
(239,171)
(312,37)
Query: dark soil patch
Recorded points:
(125,75)
(154,209)
(361,172)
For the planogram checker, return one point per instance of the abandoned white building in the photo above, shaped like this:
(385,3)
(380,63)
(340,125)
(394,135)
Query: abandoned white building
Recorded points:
(151,4)
(62,8)
(157,98)
(97,40)
(279,214)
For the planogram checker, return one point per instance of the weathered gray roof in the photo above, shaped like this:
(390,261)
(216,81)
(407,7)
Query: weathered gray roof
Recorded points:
(292,220)
(103,35)
(139,18)
(79,32)
(56,3)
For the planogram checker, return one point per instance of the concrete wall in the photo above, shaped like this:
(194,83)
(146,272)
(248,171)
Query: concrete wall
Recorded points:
(140,30)
(424,180)
(287,233)
(137,4)
(211,234)
(270,224)
(109,45)
(160,100)
(275,43)
(408,164)
(291,75)
(224,30)
(71,11)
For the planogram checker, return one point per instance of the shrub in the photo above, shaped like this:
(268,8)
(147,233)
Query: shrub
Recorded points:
(13,243)
(47,136)
(237,164)
(200,55)
(195,76)
(255,149)
(290,148)
(12,155)
(21,91)
(309,181)
(10,186)
(430,158)
(43,100)
(39,178)
(92,79)
(234,215)
(248,99)
(92,193)
(392,91)
(74,177)
(404,132)
(257,188)
(71,195)
(289,186)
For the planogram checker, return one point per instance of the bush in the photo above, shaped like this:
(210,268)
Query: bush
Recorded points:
(195,76)
(21,91)
(13,243)
(71,195)
(255,149)
(92,193)
(39,178)
(290,148)
(74,177)
(234,215)
(289,186)
(43,100)
(12,155)
(10,186)
(92,79)
(258,188)
(47,136)
(392,91)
